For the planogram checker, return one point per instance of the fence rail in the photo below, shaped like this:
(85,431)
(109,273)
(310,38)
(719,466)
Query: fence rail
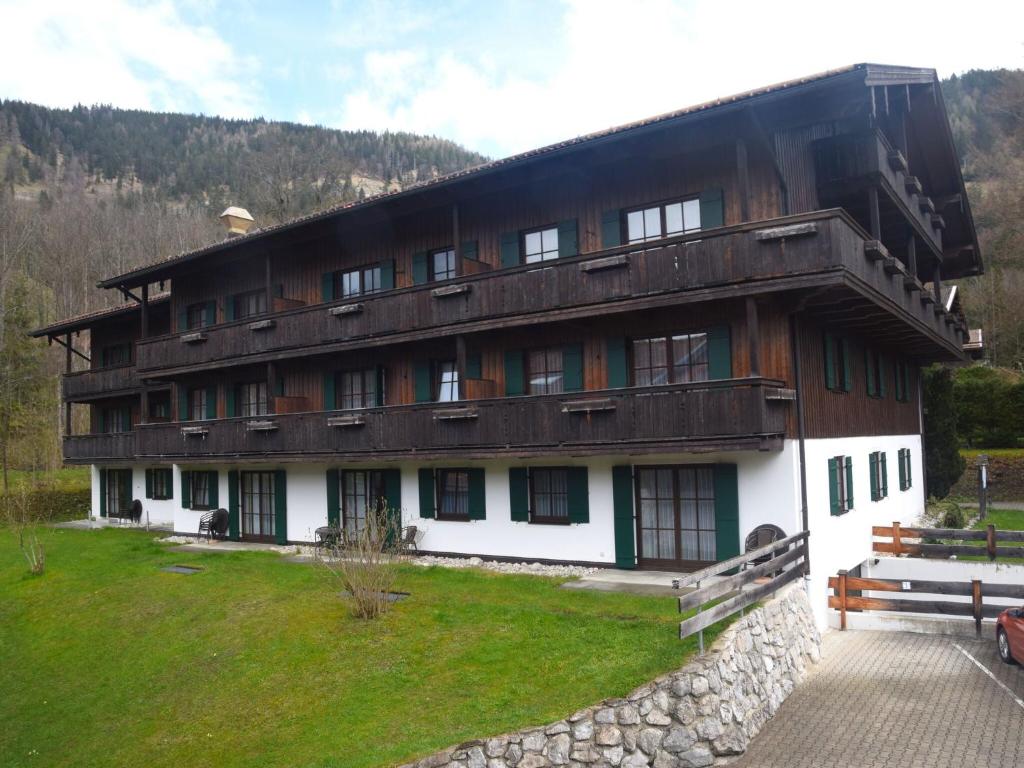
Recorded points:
(774,566)
(897,544)
(842,601)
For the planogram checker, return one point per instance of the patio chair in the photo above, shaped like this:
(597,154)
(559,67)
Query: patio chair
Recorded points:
(135,513)
(407,543)
(761,536)
(214,524)
(327,536)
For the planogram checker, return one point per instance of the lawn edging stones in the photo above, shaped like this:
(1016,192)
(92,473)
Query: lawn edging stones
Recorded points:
(708,709)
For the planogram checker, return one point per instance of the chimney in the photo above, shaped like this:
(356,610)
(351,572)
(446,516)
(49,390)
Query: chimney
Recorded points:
(236,220)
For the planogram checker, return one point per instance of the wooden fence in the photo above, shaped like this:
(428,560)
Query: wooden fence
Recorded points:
(898,544)
(843,584)
(769,568)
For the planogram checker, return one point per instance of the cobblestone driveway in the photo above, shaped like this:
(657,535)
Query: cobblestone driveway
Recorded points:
(898,700)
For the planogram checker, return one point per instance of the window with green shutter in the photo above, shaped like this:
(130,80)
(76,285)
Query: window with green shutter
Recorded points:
(427,496)
(712,208)
(901,379)
(459,492)
(515,382)
(519,494)
(611,228)
(617,362)
(509,249)
(838,369)
(420,268)
(878,475)
(550,495)
(840,485)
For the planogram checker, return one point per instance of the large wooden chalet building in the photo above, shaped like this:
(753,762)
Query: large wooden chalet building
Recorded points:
(626,349)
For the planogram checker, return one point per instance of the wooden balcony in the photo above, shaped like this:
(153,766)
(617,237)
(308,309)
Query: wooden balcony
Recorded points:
(97,449)
(96,383)
(734,414)
(805,251)
(846,165)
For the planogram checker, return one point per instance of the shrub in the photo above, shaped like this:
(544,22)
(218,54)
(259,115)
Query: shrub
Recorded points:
(54,504)
(953,515)
(989,405)
(24,521)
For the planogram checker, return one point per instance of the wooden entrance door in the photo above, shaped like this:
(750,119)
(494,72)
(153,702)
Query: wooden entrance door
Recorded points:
(675,517)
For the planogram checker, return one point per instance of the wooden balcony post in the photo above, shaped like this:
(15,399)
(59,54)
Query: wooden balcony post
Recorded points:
(67,353)
(271,386)
(269,284)
(144,405)
(990,541)
(897,540)
(144,313)
(937,281)
(912,254)
(460,364)
(976,604)
(457,239)
(876,216)
(743,173)
(753,337)
(842,600)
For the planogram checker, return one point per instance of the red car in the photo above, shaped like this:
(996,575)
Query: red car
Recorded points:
(1010,635)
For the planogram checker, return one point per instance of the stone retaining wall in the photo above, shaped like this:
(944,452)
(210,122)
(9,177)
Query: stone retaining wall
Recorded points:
(710,708)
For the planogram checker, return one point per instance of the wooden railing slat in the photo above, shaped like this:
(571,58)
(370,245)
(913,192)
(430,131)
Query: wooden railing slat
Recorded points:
(734,582)
(735,562)
(705,619)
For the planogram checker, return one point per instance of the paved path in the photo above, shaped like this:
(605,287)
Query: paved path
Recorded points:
(892,699)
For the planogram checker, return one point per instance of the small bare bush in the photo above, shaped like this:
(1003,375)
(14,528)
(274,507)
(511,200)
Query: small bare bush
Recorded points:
(364,562)
(24,519)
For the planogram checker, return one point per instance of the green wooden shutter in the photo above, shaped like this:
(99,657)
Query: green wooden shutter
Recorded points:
(381,382)
(102,418)
(229,401)
(901,462)
(103,493)
(279,386)
(278,292)
(169,482)
(427,496)
(873,473)
(393,490)
(568,244)
(387,274)
(622,506)
(333,498)
(213,480)
(210,313)
(727,511)
(183,414)
(869,372)
(618,366)
(611,229)
(234,519)
(229,309)
(833,487)
(149,483)
(182,320)
(186,489)
(572,367)
(847,366)
(849,483)
(327,287)
(719,353)
(474,367)
(883,377)
(578,495)
(884,474)
(905,371)
(420,274)
(509,249)
(281,506)
(422,383)
(470,250)
(477,495)
(211,402)
(830,361)
(330,403)
(515,383)
(712,209)
(910,471)
(519,494)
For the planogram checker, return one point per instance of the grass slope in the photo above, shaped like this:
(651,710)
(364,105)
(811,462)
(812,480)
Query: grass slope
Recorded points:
(255,661)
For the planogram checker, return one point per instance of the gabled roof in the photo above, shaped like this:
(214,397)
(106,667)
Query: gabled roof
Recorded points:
(88,319)
(870,74)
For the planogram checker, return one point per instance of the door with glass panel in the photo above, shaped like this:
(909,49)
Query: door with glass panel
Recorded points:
(362,493)
(675,517)
(257,505)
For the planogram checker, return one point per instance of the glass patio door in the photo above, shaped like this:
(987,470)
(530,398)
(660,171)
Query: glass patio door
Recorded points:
(257,505)
(675,517)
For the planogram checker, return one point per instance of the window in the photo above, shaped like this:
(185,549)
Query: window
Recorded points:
(159,409)
(197,403)
(257,504)
(540,245)
(837,364)
(677,513)
(874,373)
(544,371)
(354,282)
(453,494)
(447,382)
(879,475)
(250,304)
(118,492)
(195,316)
(116,420)
(252,399)
(549,495)
(906,479)
(902,373)
(199,489)
(840,484)
(361,491)
(675,359)
(116,354)
(442,264)
(666,220)
(162,483)
(357,389)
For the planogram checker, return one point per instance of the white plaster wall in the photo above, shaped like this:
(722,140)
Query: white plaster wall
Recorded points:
(307,500)
(187,520)
(844,541)
(94,489)
(154,511)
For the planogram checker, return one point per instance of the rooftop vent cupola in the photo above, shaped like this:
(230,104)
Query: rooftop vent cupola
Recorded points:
(236,220)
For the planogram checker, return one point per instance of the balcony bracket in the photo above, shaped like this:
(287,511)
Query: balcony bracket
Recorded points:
(875,251)
(262,325)
(456,414)
(451,290)
(588,406)
(346,421)
(195,431)
(891,265)
(609,262)
(913,185)
(345,309)
(779,393)
(897,161)
(783,233)
(193,338)
(263,425)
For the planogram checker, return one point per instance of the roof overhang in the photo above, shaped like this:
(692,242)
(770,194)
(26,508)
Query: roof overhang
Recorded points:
(90,319)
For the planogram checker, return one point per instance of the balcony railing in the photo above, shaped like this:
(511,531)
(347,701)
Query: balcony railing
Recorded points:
(694,265)
(90,449)
(99,382)
(719,415)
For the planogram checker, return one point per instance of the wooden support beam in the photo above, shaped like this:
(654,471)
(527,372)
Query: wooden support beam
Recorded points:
(743,174)
(460,364)
(769,147)
(67,369)
(753,338)
(144,313)
(271,383)
(937,282)
(269,287)
(876,217)
(456,239)
(912,254)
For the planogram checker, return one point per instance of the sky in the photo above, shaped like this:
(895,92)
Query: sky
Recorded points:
(498,78)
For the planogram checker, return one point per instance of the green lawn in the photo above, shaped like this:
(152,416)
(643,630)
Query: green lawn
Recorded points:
(256,661)
(1003,520)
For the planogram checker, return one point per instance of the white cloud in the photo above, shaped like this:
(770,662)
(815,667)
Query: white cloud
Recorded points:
(64,52)
(612,63)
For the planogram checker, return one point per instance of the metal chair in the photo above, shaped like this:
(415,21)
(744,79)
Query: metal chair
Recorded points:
(328,536)
(214,524)
(762,536)
(135,513)
(407,543)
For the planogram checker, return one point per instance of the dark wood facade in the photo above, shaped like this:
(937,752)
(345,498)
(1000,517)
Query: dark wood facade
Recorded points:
(831,203)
